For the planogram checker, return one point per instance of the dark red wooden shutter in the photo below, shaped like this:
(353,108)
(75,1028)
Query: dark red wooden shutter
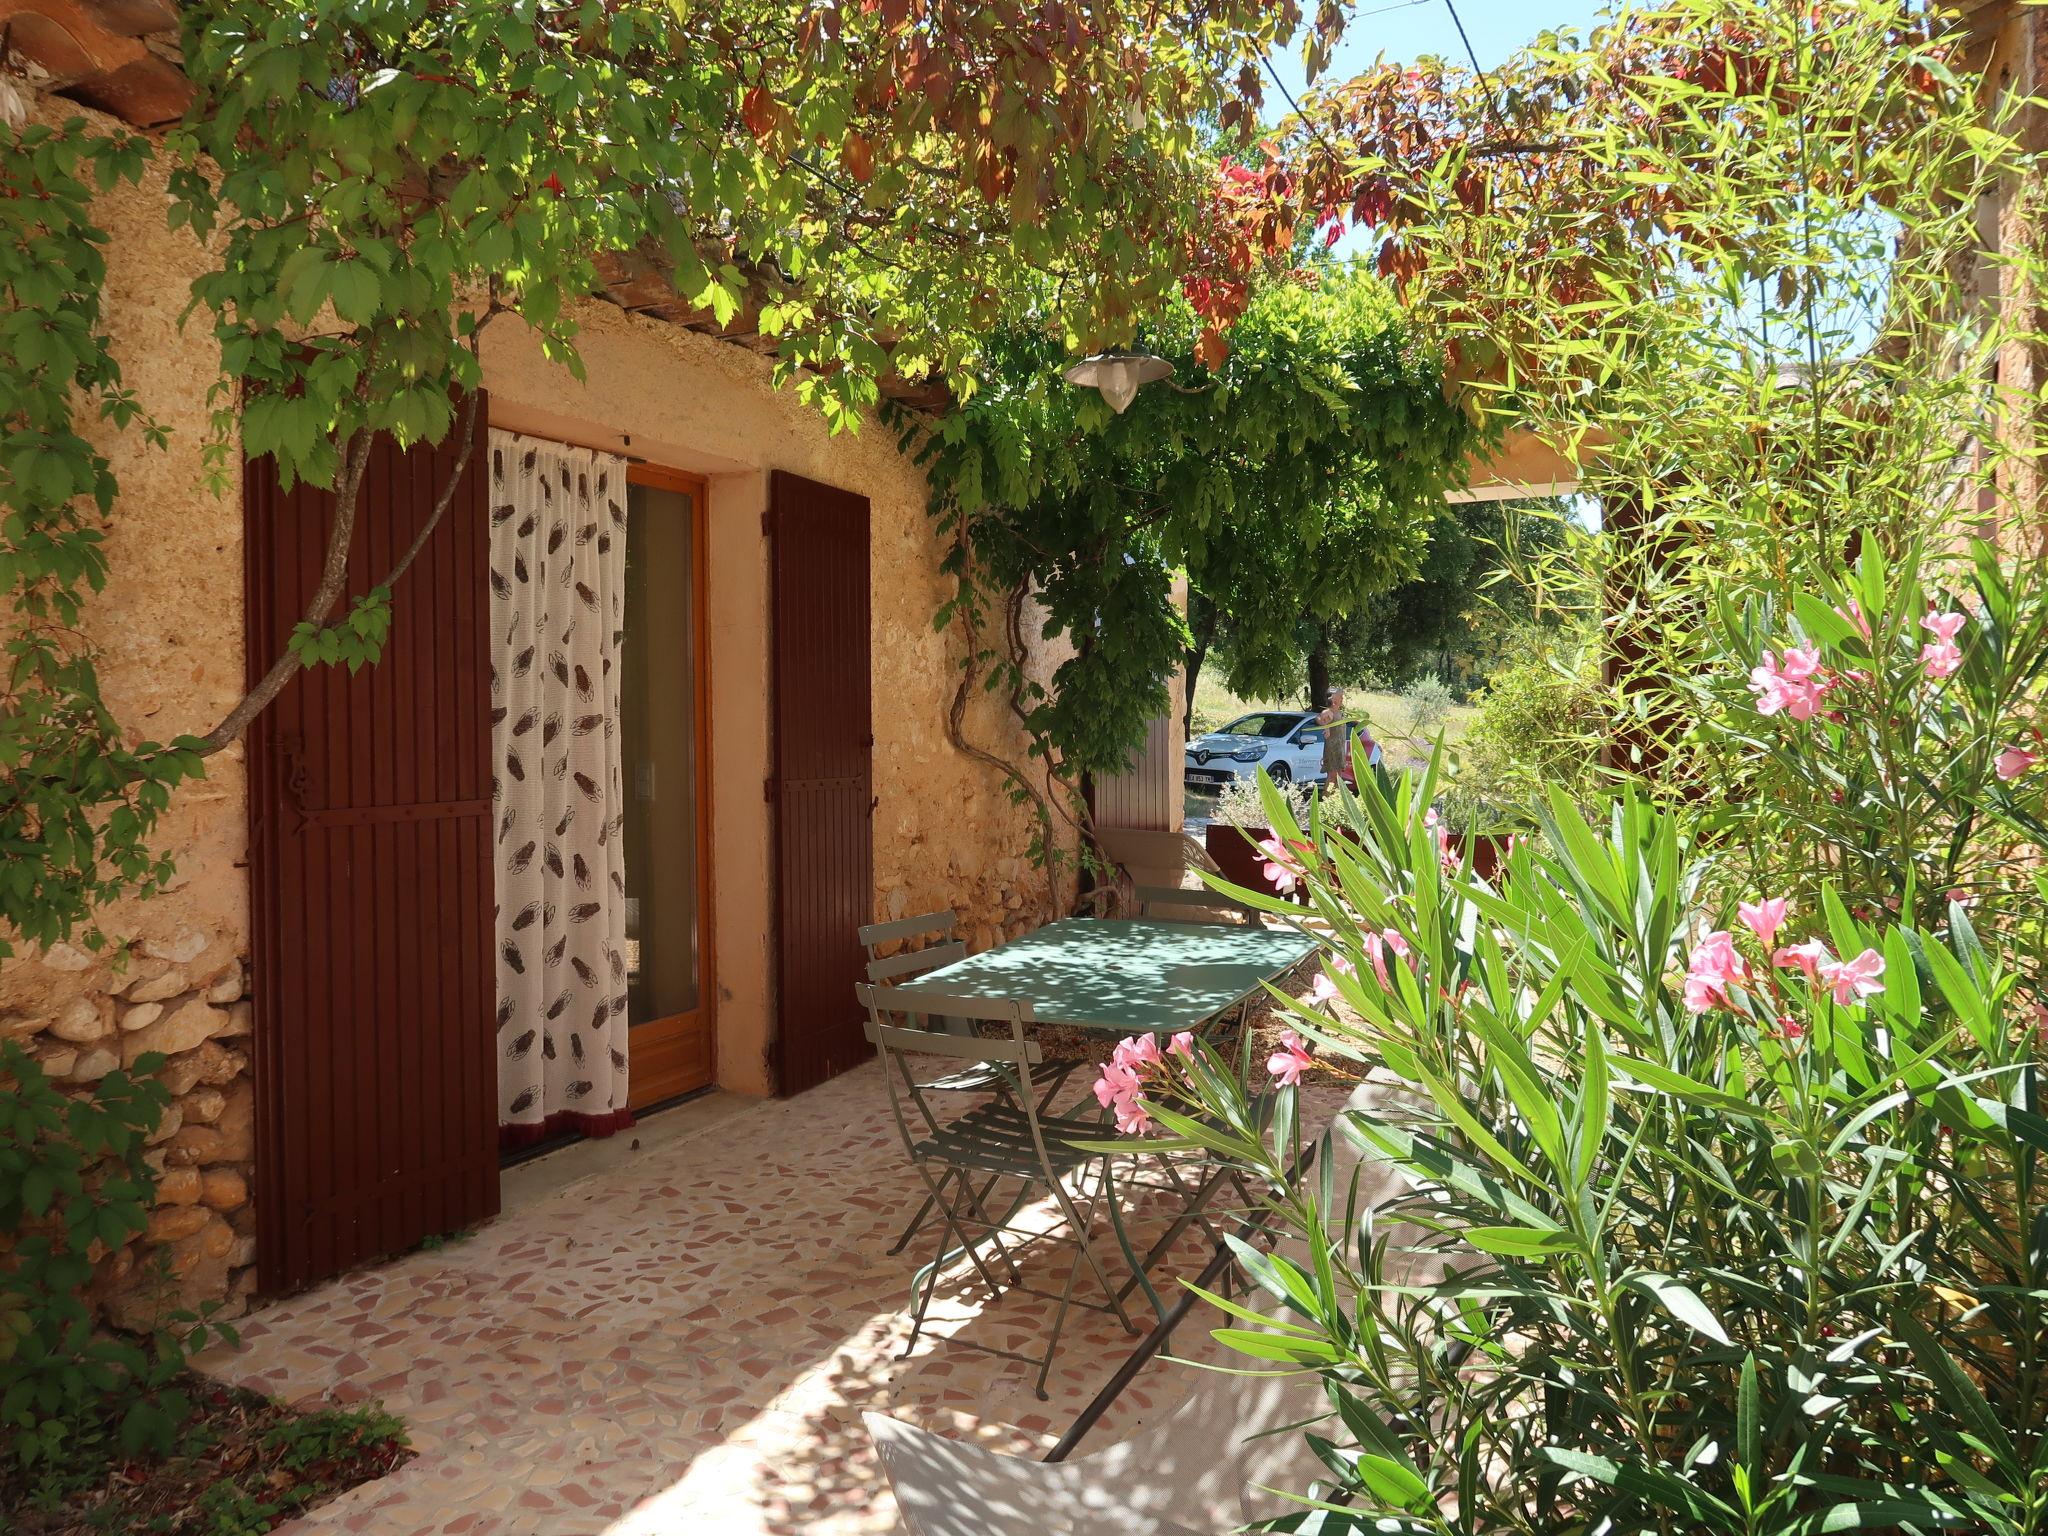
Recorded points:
(822,784)
(370,878)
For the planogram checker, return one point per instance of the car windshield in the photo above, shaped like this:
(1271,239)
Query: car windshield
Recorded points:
(1262,725)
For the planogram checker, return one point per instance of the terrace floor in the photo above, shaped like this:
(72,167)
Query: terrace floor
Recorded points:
(685,1340)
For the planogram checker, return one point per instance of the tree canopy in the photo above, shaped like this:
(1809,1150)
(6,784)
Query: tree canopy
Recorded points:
(1298,473)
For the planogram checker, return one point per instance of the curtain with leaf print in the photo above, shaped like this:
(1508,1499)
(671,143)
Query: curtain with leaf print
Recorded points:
(558,566)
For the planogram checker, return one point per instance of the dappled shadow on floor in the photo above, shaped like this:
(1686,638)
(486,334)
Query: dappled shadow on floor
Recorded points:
(686,1342)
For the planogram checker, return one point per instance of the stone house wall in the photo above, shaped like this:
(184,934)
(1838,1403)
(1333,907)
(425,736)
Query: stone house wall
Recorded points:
(173,976)
(169,631)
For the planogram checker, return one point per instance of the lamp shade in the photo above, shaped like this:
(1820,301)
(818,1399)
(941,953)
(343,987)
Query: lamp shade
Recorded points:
(1118,375)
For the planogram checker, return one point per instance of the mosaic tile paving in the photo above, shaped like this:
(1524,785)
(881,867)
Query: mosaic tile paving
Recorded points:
(685,1343)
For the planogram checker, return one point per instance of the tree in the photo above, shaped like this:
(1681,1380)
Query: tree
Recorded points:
(1299,470)
(877,186)
(1464,593)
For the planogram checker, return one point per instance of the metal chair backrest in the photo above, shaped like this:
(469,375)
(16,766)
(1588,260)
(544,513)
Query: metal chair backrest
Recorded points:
(1205,902)
(922,931)
(915,962)
(895,1043)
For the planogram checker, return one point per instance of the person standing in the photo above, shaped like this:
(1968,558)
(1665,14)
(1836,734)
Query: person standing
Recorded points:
(1336,739)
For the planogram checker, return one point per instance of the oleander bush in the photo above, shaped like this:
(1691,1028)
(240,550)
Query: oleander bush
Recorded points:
(1717,1110)
(1739,1214)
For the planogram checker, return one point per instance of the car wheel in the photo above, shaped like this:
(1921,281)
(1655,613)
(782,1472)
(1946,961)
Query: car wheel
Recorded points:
(1280,773)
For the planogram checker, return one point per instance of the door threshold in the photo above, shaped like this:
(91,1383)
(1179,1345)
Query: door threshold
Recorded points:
(586,1160)
(563,1139)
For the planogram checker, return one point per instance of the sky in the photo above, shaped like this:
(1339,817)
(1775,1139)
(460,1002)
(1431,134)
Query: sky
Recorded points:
(1407,29)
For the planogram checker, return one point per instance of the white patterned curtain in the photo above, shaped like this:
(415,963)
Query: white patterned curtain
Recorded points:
(558,578)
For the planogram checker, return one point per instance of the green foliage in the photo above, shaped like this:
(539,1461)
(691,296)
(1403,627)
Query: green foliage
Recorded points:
(332,1435)
(1541,723)
(878,189)
(1296,474)
(239,1464)
(356,638)
(78,801)
(1773,1264)
(1793,385)
(1426,707)
(1681,1238)
(386,180)
(1457,614)
(73,1174)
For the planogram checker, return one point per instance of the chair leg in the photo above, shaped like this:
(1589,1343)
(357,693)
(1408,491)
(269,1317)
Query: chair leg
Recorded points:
(1059,1316)
(910,1231)
(1081,1226)
(952,1225)
(920,1300)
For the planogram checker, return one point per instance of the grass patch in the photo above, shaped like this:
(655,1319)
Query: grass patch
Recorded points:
(242,1464)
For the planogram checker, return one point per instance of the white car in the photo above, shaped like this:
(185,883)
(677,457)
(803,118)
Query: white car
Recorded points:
(1287,743)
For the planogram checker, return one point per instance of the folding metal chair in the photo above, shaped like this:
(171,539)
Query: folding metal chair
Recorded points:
(929,944)
(1006,1137)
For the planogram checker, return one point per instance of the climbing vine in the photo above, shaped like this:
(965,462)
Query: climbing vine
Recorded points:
(1298,470)
(81,799)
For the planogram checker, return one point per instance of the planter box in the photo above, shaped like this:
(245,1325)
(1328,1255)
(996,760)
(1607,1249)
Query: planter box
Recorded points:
(1489,851)
(1235,854)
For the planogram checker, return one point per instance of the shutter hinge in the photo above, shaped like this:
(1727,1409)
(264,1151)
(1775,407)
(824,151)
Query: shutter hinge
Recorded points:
(768,789)
(768,524)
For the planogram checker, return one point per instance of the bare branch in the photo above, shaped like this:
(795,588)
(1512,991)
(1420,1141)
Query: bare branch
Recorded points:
(333,575)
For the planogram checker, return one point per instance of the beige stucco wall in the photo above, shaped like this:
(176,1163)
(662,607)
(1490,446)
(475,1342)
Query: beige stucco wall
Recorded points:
(945,834)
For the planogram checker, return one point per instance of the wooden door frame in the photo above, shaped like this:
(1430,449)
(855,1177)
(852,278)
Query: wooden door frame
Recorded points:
(698,489)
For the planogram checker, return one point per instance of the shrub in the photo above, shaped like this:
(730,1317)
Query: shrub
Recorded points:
(1241,803)
(73,1177)
(1729,1246)
(1426,705)
(1541,722)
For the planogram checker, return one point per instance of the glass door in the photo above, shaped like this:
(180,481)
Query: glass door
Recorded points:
(667,811)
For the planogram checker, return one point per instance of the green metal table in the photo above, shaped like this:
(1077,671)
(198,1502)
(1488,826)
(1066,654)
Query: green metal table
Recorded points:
(1125,976)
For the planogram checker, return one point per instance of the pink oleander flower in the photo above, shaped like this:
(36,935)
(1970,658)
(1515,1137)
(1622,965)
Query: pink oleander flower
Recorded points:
(2013,762)
(1853,613)
(1138,1053)
(1764,918)
(1323,990)
(1789,1029)
(1182,1045)
(1283,863)
(1944,626)
(1116,1084)
(1853,980)
(1712,970)
(1291,1060)
(1794,682)
(1131,1119)
(1941,660)
(1805,958)
(1942,657)
(1378,946)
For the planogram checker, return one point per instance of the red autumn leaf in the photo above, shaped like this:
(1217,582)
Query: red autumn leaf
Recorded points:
(758,108)
(858,156)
